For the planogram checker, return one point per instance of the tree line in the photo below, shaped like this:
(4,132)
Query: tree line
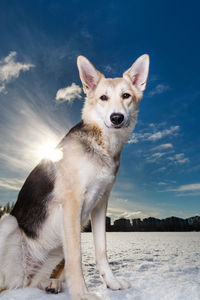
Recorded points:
(147,224)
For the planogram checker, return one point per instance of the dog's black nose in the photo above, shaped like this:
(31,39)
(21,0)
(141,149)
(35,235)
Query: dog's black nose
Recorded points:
(117,118)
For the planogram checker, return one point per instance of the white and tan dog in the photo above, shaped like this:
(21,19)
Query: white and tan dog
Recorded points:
(58,198)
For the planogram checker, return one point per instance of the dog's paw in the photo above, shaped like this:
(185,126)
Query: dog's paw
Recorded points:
(117,284)
(90,297)
(53,286)
(124,284)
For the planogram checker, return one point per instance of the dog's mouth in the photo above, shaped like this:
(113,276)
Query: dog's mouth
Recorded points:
(117,126)
(122,125)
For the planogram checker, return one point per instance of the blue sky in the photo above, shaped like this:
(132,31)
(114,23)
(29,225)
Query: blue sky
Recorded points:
(40,41)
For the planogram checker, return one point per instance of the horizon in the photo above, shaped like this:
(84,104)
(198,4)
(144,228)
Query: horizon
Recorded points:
(112,219)
(41,95)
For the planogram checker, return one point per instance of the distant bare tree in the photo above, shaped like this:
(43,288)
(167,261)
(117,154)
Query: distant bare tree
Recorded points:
(6,209)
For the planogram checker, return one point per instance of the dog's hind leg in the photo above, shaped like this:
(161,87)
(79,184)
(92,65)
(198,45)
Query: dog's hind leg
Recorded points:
(54,285)
(43,279)
(11,254)
(58,271)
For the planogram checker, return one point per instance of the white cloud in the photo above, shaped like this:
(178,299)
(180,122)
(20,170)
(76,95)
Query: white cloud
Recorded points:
(119,207)
(166,150)
(175,159)
(184,194)
(155,135)
(188,188)
(117,212)
(160,134)
(133,139)
(159,89)
(178,158)
(10,69)
(10,184)
(163,147)
(138,137)
(158,154)
(69,93)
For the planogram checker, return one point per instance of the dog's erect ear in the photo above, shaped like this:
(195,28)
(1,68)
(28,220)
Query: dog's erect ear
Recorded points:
(138,73)
(89,75)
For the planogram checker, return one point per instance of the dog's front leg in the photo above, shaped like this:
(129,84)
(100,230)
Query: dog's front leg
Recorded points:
(72,250)
(98,217)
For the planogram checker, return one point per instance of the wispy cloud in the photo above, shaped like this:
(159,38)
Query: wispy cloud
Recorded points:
(155,135)
(158,154)
(10,69)
(164,152)
(10,183)
(178,158)
(160,134)
(69,93)
(186,190)
(117,212)
(163,147)
(193,194)
(159,89)
(122,207)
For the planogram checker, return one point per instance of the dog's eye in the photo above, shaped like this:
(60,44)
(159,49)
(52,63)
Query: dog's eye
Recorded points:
(125,95)
(104,98)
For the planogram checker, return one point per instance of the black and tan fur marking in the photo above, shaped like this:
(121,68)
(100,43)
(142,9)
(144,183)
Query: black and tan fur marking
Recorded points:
(31,208)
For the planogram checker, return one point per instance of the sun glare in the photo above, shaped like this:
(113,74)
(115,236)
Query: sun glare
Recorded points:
(49,151)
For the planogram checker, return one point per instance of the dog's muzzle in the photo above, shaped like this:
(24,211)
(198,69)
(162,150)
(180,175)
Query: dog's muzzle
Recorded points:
(117,120)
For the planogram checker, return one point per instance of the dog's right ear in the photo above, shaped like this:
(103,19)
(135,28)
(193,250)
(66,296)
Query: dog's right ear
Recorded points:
(89,75)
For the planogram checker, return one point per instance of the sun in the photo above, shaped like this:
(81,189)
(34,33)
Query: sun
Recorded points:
(49,151)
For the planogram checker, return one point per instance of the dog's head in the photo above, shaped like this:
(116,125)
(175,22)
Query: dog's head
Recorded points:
(112,103)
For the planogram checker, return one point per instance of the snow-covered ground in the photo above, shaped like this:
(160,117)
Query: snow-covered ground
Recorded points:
(160,266)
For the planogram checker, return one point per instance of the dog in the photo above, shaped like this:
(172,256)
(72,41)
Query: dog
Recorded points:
(40,240)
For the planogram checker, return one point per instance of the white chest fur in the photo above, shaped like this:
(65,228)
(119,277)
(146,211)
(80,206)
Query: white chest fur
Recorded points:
(96,182)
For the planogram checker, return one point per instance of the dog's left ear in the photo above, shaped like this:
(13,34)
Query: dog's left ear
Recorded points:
(89,75)
(138,73)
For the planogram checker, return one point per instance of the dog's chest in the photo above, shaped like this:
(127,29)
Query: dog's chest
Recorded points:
(97,182)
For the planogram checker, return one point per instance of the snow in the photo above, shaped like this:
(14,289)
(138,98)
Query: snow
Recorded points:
(160,266)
